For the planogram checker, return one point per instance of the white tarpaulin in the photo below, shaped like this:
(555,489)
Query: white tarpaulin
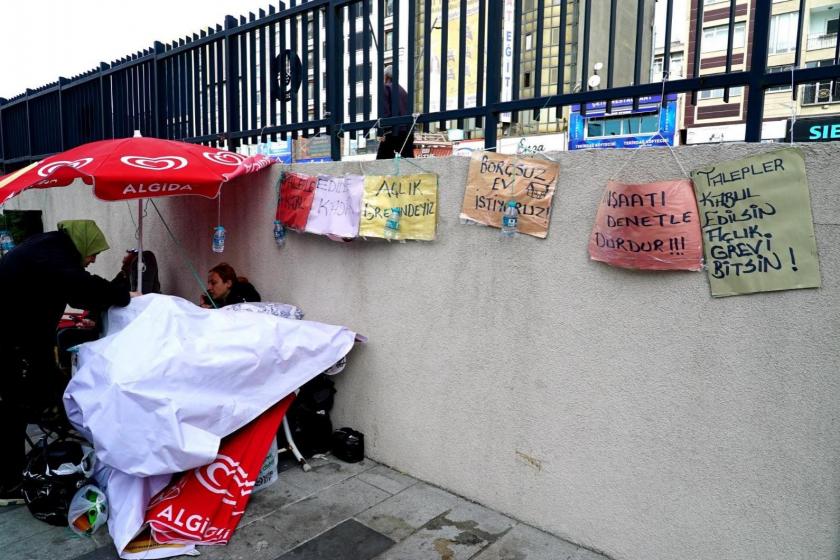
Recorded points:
(170,379)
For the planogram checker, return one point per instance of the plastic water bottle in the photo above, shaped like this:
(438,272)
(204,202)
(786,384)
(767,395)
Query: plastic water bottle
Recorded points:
(6,242)
(279,233)
(510,219)
(219,239)
(392,224)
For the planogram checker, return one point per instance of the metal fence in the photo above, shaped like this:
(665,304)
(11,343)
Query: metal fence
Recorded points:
(312,67)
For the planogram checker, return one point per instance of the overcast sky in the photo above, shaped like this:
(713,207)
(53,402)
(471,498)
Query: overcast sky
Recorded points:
(41,40)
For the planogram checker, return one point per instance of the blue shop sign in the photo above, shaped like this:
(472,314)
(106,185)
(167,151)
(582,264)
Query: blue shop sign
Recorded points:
(623,127)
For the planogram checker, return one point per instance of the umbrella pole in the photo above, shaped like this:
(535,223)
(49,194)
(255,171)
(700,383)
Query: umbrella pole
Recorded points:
(140,245)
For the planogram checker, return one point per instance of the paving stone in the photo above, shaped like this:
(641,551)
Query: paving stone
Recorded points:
(325,472)
(101,553)
(269,500)
(17,523)
(527,543)
(402,514)
(311,516)
(387,479)
(56,543)
(456,534)
(257,541)
(349,540)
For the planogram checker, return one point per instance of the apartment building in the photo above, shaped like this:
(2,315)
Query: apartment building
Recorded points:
(713,119)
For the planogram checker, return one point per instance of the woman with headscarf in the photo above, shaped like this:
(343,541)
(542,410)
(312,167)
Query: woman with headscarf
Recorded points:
(38,279)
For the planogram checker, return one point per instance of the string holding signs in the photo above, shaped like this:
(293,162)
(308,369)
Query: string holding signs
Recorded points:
(652,226)
(494,179)
(415,195)
(297,190)
(336,206)
(758,233)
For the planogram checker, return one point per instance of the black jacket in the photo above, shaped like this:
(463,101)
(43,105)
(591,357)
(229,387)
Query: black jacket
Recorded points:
(38,278)
(240,292)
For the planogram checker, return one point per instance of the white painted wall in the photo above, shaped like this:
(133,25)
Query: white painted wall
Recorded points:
(626,411)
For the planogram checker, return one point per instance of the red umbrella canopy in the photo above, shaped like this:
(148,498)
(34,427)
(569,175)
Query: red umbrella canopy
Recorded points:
(127,168)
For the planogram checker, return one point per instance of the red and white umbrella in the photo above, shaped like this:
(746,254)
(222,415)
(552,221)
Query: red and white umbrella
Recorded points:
(135,168)
(129,168)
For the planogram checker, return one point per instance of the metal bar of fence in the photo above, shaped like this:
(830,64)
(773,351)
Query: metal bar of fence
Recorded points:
(395,56)
(335,87)
(494,74)
(479,84)
(611,51)
(253,108)
(798,56)
(730,41)
(516,63)
(366,36)
(412,59)
(698,37)
(281,73)
(268,60)
(666,54)
(427,58)
(316,71)
(351,54)
(239,74)
(637,56)
(584,66)
(462,56)
(561,56)
(293,42)
(380,55)
(538,53)
(757,74)
(444,55)
(264,85)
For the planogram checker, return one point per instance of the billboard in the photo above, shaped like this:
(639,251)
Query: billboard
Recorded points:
(579,139)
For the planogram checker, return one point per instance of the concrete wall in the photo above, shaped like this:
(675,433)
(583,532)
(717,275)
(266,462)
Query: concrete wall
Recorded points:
(626,411)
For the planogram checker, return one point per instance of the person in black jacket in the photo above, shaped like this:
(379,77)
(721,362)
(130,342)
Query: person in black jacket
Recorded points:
(38,279)
(226,288)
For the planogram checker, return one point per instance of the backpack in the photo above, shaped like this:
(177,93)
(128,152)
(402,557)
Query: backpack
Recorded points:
(309,417)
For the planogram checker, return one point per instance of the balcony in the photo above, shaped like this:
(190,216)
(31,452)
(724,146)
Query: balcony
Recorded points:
(822,41)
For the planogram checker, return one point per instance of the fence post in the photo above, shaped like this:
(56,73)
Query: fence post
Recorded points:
(231,82)
(758,68)
(495,15)
(3,101)
(335,74)
(28,127)
(158,88)
(61,142)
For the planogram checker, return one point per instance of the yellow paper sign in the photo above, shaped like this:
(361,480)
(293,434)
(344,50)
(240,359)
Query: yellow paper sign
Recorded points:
(414,195)
(494,179)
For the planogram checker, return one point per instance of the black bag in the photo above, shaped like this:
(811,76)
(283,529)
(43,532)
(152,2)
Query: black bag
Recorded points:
(53,474)
(309,417)
(348,445)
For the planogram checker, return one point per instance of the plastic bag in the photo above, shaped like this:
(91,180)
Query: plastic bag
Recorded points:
(88,510)
(268,471)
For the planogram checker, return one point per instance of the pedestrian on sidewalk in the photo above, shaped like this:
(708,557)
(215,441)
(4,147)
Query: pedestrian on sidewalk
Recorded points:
(401,138)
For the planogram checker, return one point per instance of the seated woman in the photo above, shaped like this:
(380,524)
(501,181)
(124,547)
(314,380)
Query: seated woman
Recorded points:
(226,288)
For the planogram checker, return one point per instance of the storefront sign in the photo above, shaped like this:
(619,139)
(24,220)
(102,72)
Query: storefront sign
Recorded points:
(815,130)
(579,139)
(755,216)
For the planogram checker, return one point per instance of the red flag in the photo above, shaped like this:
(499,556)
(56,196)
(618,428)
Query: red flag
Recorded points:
(204,505)
(297,191)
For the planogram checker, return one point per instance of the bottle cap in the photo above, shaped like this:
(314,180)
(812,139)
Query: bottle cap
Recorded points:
(396,210)
(511,204)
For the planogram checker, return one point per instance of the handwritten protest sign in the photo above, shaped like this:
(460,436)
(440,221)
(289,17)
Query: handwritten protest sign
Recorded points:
(494,179)
(415,195)
(297,191)
(652,226)
(758,232)
(336,205)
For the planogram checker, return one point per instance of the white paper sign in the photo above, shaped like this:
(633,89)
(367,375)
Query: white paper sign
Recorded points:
(336,206)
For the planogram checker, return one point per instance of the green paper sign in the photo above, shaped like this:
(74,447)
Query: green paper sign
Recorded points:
(758,233)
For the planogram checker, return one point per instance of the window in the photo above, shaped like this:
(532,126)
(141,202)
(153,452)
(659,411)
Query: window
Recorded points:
(716,38)
(526,80)
(622,126)
(389,8)
(360,72)
(389,41)
(717,93)
(529,43)
(826,91)
(555,36)
(358,106)
(832,26)
(783,31)
(776,69)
